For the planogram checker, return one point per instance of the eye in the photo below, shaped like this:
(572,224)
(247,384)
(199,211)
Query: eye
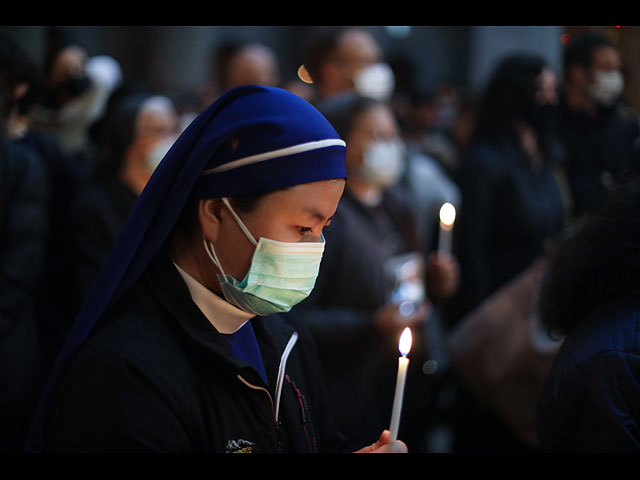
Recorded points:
(304,230)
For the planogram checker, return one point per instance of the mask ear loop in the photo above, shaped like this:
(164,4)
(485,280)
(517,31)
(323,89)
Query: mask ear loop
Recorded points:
(208,246)
(244,229)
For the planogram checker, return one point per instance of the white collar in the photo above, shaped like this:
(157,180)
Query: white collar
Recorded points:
(226,318)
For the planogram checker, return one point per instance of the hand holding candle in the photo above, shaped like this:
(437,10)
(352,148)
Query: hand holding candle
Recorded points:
(447,217)
(403,363)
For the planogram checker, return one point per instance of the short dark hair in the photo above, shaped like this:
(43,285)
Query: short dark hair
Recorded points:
(16,67)
(322,43)
(344,110)
(579,50)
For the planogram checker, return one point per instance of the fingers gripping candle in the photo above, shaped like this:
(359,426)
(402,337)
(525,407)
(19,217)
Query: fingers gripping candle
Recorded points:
(403,363)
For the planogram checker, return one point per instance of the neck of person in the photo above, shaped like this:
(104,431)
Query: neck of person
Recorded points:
(366,193)
(579,101)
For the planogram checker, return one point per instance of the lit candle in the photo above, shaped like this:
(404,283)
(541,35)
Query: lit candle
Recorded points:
(403,363)
(447,217)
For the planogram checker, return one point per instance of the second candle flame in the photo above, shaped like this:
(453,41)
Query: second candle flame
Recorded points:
(405,341)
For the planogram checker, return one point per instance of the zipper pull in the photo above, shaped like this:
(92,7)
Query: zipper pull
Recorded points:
(279,434)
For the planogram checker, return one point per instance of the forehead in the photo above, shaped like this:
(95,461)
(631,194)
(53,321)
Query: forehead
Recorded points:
(378,121)
(605,58)
(358,46)
(316,199)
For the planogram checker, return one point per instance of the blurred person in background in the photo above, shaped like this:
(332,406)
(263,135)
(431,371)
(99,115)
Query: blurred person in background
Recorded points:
(596,128)
(24,231)
(136,133)
(591,297)
(376,278)
(347,59)
(246,63)
(512,205)
(74,90)
(20,70)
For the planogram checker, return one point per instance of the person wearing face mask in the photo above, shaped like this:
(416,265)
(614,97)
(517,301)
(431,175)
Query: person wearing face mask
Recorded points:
(138,131)
(187,341)
(347,59)
(597,130)
(73,94)
(376,279)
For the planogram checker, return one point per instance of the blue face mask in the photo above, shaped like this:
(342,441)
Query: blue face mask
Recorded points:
(281,275)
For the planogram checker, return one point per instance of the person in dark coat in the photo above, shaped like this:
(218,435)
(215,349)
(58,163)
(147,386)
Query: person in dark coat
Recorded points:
(512,204)
(185,343)
(19,70)
(360,306)
(24,234)
(138,131)
(597,129)
(591,298)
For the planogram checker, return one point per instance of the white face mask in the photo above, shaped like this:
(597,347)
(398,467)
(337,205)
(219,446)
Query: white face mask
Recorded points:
(281,275)
(383,162)
(157,153)
(376,81)
(607,87)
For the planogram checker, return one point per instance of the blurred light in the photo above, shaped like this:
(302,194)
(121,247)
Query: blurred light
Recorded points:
(304,75)
(398,31)
(447,214)
(564,38)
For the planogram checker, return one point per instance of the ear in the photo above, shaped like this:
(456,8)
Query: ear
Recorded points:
(209,216)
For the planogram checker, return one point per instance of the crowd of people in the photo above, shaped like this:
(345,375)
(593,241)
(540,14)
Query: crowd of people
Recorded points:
(524,326)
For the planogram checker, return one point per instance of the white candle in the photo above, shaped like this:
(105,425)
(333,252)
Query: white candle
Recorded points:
(447,217)
(403,363)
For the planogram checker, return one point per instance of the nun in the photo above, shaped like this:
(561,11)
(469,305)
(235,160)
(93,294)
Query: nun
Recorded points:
(185,342)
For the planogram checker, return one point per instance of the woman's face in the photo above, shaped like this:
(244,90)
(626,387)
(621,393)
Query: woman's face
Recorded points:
(297,214)
(377,123)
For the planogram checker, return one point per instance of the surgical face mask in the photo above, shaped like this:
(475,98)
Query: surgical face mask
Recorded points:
(281,275)
(383,162)
(376,81)
(607,87)
(157,153)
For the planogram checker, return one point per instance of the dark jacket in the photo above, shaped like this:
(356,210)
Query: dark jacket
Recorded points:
(98,212)
(361,360)
(591,398)
(156,376)
(594,145)
(508,212)
(23,237)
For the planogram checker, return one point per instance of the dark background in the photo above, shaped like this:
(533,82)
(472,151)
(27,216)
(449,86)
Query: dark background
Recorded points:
(178,59)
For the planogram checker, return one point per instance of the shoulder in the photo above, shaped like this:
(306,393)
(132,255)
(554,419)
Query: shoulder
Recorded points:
(595,378)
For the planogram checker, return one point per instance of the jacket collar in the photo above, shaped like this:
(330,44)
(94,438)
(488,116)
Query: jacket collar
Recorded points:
(198,334)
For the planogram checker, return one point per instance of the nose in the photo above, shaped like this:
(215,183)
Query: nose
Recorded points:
(310,237)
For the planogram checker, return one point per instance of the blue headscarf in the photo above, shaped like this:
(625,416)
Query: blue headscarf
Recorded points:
(251,140)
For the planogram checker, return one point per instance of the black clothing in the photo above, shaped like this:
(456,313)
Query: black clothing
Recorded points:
(23,237)
(155,375)
(595,146)
(509,211)
(53,308)
(591,398)
(98,212)
(361,361)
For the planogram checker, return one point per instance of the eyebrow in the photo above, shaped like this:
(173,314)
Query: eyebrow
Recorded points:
(316,214)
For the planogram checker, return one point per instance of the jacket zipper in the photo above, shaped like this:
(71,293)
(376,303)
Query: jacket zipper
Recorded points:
(279,382)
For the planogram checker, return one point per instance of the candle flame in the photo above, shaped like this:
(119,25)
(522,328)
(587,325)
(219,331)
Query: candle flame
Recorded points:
(447,214)
(405,341)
